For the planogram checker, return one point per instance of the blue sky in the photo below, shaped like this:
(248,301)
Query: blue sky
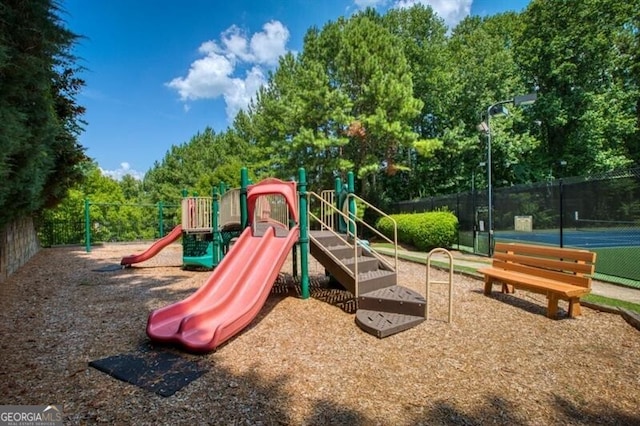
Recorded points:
(160,71)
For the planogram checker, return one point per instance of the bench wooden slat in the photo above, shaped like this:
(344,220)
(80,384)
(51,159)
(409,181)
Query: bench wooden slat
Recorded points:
(547,263)
(535,284)
(547,251)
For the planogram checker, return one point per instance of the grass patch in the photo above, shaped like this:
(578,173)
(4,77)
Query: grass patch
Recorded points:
(385,245)
(423,260)
(614,303)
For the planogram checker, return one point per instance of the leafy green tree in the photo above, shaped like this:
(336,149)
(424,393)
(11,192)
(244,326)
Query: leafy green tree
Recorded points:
(131,189)
(467,71)
(205,161)
(119,211)
(70,212)
(39,153)
(346,102)
(300,120)
(582,56)
(372,70)
(422,36)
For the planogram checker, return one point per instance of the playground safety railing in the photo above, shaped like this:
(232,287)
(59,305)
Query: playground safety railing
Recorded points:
(272,207)
(325,213)
(230,207)
(197,214)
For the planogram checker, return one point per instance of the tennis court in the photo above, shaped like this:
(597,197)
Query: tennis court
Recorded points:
(589,239)
(618,249)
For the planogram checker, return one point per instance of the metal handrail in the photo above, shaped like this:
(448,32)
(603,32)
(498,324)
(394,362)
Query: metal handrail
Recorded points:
(429,281)
(378,233)
(326,205)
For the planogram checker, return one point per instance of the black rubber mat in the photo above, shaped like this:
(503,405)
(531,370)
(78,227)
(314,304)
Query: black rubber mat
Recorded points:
(161,372)
(109,268)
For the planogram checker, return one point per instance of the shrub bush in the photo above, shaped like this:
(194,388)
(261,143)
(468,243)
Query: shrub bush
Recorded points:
(425,231)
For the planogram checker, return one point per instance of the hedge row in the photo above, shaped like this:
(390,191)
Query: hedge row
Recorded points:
(425,231)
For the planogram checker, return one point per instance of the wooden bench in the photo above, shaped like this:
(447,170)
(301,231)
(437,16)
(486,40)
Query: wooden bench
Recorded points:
(559,273)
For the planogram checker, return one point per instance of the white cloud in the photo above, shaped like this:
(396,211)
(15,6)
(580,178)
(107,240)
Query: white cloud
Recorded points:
(452,11)
(208,77)
(236,44)
(269,45)
(216,73)
(241,91)
(369,3)
(125,169)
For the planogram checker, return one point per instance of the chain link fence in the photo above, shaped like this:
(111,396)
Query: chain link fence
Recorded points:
(599,213)
(110,222)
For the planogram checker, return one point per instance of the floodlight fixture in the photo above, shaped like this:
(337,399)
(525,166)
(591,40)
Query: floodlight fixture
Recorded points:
(527,99)
(498,109)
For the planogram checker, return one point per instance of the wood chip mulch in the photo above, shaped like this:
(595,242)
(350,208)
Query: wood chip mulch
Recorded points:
(305,362)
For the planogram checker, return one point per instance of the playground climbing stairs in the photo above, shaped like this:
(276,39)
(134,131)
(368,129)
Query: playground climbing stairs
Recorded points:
(384,308)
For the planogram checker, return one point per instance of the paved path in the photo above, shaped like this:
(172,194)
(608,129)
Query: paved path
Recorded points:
(599,288)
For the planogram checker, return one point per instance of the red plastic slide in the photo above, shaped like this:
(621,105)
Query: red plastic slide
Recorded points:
(231,297)
(154,249)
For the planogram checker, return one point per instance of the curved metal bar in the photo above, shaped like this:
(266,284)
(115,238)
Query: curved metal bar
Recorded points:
(449,281)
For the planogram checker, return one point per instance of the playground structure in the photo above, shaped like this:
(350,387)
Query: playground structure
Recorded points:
(209,225)
(274,218)
(207,228)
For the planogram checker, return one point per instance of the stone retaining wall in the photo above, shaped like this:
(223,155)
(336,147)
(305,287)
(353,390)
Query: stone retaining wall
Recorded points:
(18,244)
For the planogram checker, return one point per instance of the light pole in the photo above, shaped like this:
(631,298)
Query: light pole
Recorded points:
(499,109)
(561,197)
(473,205)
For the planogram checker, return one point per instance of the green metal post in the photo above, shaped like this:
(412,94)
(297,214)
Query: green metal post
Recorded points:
(185,194)
(217,237)
(294,254)
(160,219)
(339,223)
(304,234)
(87,225)
(352,203)
(244,183)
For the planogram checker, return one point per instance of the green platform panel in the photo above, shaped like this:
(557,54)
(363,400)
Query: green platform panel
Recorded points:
(197,250)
